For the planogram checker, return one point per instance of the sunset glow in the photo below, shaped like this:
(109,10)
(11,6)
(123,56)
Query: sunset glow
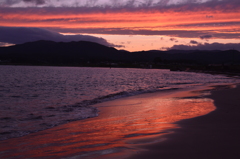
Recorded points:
(183,22)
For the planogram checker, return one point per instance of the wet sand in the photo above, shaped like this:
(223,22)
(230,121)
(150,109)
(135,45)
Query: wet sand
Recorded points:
(212,136)
(150,125)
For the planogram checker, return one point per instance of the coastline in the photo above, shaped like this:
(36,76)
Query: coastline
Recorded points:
(215,135)
(122,126)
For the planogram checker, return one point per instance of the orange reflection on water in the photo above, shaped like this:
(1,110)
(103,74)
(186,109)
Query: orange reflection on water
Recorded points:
(119,122)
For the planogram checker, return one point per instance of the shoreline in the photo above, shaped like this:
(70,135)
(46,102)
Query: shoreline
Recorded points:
(215,135)
(68,99)
(122,125)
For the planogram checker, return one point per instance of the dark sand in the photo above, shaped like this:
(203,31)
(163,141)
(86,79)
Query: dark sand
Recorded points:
(212,136)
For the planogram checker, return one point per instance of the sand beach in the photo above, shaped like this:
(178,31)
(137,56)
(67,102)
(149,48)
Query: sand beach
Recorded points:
(188,123)
(215,135)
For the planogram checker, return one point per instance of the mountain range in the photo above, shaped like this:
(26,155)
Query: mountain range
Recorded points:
(77,53)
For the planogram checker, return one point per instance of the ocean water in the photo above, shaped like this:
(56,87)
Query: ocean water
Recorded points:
(34,98)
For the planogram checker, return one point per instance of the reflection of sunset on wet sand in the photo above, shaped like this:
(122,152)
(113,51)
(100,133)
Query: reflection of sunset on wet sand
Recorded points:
(120,126)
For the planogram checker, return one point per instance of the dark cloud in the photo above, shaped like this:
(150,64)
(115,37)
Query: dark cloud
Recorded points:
(209,16)
(37,2)
(206,36)
(208,46)
(107,4)
(18,35)
(173,39)
(7,3)
(209,24)
(126,31)
(229,34)
(193,42)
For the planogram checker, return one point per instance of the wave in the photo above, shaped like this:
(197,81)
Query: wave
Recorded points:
(54,116)
(51,96)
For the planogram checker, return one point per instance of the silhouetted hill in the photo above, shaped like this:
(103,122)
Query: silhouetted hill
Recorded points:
(76,53)
(59,52)
(191,56)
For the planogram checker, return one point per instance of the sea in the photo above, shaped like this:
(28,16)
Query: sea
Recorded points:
(35,98)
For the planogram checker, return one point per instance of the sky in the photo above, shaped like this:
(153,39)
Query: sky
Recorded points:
(132,25)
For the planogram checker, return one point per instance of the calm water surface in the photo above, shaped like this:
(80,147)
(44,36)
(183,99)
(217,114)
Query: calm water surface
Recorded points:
(37,98)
